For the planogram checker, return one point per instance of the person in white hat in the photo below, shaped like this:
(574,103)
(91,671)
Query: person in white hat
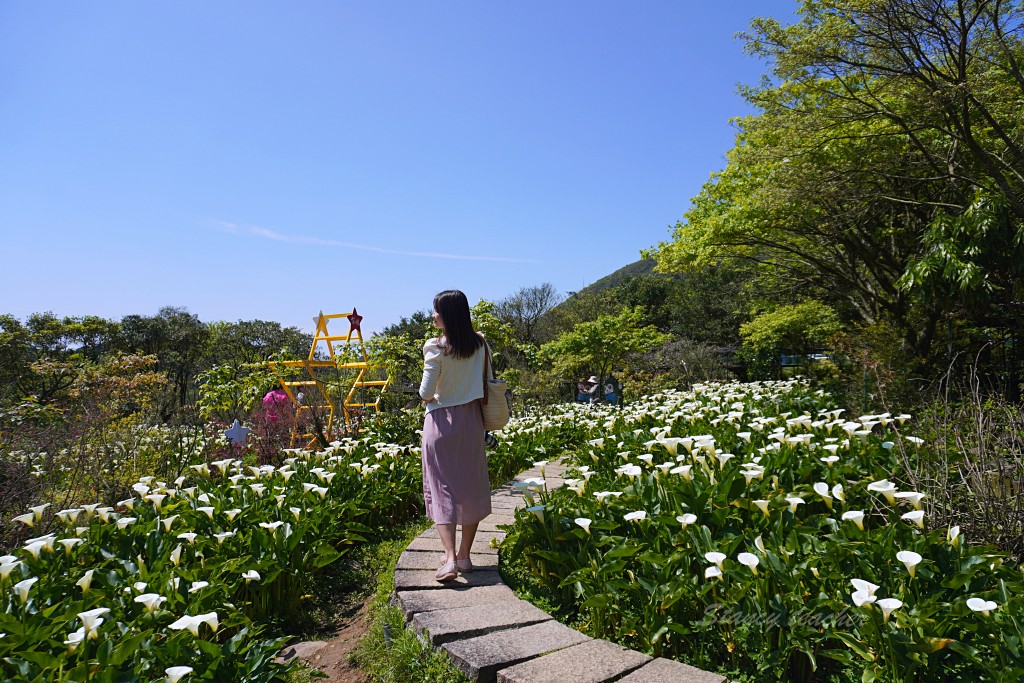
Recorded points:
(592,389)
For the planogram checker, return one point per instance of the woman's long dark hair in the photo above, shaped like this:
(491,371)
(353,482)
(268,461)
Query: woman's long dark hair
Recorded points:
(459,339)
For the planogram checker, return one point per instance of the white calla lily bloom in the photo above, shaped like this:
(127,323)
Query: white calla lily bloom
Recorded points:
(888,605)
(855,516)
(716,557)
(910,560)
(980,605)
(22,587)
(749,560)
(916,517)
(176,673)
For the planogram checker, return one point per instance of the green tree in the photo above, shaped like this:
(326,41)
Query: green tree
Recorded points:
(599,346)
(177,338)
(881,127)
(799,328)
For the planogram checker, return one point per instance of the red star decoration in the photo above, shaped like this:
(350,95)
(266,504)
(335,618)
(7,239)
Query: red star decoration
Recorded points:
(354,319)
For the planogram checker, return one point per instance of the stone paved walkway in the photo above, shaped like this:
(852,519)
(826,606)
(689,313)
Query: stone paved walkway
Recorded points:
(492,635)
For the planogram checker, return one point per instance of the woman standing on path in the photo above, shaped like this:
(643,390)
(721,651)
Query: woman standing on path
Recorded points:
(455,485)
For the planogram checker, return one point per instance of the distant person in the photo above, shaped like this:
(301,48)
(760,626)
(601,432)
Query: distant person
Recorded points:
(593,387)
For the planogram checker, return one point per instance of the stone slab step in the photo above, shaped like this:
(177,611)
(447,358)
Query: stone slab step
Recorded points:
(667,671)
(482,657)
(596,661)
(423,579)
(446,625)
(419,559)
(456,597)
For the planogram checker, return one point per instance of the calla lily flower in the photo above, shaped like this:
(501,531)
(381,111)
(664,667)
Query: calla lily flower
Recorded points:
(750,475)
(862,598)
(176,673)
(630,470)
(35,548)
(22,587)
(206,510)
(759,544)
(584,523)
(125,521)
(176,555)
(151,601)
(763,505)
(69,515)
(28,519)
(886,488)
(193,623)
(156,499)
(37,511)
(953,536)
(910,559)
(793,502)
(749,560)
(167,521)
(635,516)
(888,605)
(979,605)
(913,497)
(855,516)
(683,470)
(75,639)
(70,543)
(198,585)
(865,586)
(537,510)
(188,536)
(251,575)
(92,619)
(713,572)
(686,519)
(86,581)
(821,488)
(716,557)
(917,517)
(223,536)
(7,567)
(838,493)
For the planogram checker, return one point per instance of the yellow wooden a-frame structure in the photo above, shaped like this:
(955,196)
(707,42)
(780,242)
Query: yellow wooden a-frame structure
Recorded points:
(312,383)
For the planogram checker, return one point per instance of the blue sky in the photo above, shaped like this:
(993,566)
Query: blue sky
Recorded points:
(250,159)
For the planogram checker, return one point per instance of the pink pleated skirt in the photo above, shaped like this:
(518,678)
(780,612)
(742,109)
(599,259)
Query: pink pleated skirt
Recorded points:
(455,485)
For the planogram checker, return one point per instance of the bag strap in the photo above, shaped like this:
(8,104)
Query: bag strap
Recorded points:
(487,365)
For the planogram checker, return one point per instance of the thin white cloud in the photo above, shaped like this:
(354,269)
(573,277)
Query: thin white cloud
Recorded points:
(255,231)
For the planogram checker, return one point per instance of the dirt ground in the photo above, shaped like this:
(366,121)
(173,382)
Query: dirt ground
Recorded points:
(330,656)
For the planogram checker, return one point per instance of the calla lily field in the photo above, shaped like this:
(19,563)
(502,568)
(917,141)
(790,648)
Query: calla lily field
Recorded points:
(179,580)
(756,530)
(751,529)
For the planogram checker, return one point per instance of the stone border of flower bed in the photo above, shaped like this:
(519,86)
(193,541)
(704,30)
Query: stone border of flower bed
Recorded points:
(492,635)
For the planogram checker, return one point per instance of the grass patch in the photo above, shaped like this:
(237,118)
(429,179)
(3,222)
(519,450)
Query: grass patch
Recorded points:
(390,653)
